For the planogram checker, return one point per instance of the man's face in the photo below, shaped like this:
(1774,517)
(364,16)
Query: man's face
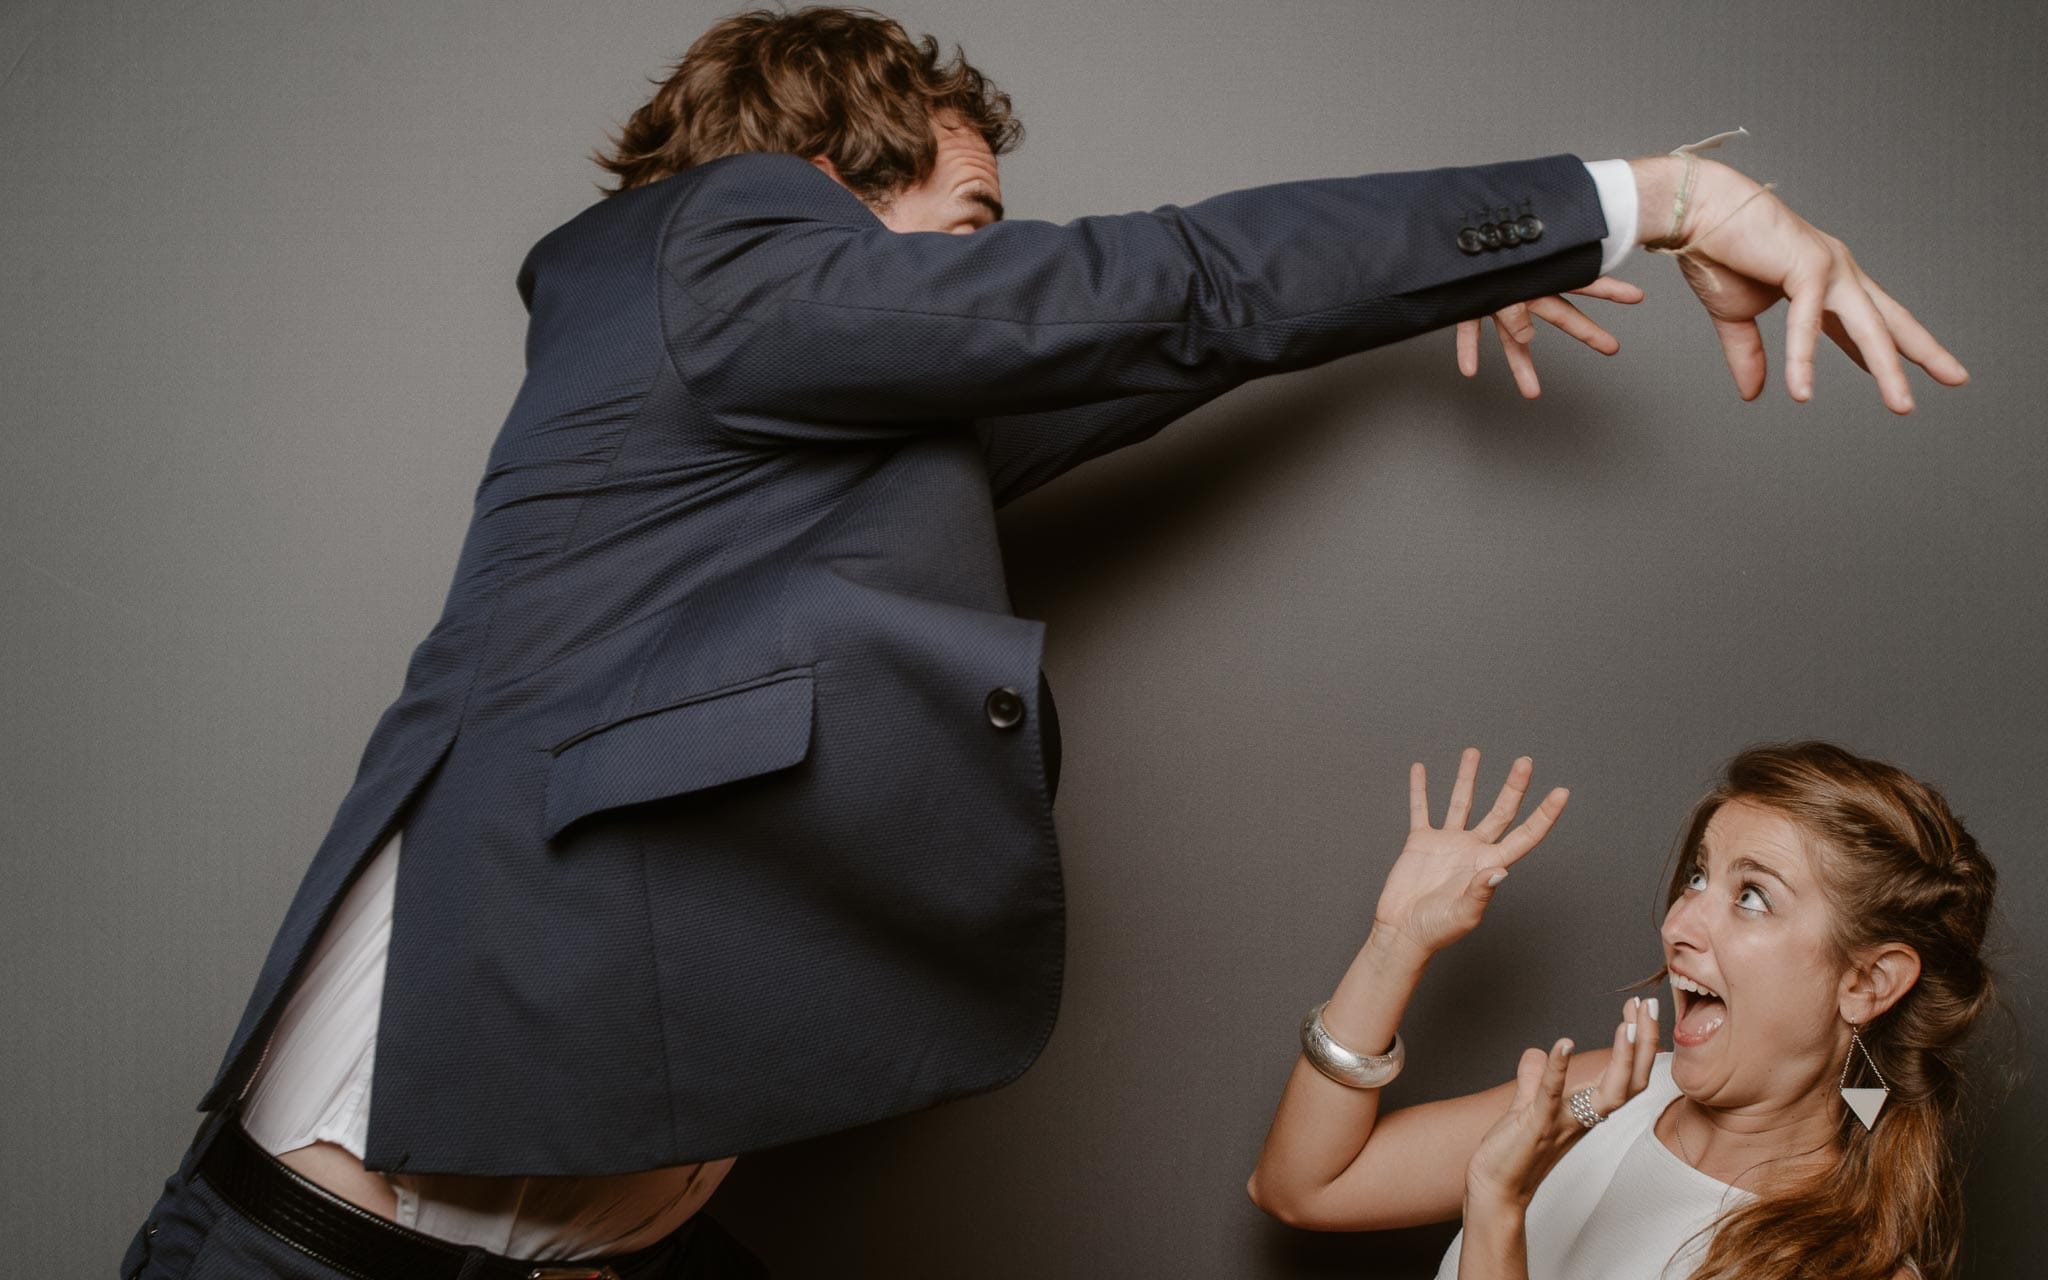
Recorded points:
(962,193)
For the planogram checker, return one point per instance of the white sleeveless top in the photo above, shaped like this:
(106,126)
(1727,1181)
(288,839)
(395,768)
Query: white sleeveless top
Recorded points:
(1621,1205)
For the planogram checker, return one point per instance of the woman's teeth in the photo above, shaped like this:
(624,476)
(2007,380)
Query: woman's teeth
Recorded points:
(1701,1012)
(1684,983)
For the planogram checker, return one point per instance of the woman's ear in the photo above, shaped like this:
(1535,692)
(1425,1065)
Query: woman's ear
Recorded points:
(1878,981)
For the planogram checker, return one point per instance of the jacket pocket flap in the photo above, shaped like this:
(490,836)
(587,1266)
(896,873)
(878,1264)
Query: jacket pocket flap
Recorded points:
(717,738)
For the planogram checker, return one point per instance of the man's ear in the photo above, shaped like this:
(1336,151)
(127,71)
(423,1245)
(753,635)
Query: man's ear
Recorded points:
(1878,980)
(829,169)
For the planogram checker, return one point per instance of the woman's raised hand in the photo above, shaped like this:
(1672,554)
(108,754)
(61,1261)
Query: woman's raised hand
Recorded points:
(1440,885)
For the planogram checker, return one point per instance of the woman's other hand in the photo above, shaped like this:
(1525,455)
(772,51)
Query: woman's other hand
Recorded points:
(1516,326)
(1439,887)
(1539,1127)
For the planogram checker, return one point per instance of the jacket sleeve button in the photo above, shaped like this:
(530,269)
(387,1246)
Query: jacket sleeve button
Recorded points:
(1470,241)
(1005,708)
(1530,226)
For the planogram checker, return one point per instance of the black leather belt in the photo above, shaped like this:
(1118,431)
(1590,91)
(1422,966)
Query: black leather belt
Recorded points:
(358,1243)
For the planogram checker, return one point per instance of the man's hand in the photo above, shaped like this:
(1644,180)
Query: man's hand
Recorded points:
(1743,249)
(1517,328)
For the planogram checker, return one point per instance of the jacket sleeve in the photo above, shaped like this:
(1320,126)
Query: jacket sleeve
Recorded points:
(795,315)
(1026,450)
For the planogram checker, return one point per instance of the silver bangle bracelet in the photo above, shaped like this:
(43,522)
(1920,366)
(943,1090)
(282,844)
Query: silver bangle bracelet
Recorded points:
(1346,1067)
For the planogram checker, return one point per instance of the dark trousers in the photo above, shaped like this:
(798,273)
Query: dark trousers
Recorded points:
(194,1234)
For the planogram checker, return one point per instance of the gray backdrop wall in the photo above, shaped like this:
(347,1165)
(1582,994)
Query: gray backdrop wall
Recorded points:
(257,330)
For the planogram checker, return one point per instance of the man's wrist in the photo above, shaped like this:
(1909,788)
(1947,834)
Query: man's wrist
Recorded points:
(1657,179)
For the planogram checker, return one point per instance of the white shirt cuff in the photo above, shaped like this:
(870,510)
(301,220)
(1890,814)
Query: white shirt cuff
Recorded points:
(1617,186)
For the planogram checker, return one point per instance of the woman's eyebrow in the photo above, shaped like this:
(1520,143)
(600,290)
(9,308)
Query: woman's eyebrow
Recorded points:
(1751,864)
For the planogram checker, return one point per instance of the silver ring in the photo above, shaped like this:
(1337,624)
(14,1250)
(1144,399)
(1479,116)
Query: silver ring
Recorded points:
(1581,1104)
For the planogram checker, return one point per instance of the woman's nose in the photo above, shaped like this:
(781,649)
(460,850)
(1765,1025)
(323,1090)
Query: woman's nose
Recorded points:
(1681,925)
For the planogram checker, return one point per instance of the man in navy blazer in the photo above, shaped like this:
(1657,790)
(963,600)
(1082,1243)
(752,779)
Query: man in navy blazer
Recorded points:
(725,777)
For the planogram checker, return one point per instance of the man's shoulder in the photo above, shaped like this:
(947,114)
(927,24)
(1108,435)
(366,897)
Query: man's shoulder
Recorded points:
(756,183)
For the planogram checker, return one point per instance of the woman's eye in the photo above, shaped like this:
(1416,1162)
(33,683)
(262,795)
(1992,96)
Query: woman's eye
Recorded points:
(1752,899)
(1697,880)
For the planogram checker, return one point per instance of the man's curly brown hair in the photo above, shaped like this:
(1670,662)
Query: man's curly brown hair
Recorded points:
(847,84)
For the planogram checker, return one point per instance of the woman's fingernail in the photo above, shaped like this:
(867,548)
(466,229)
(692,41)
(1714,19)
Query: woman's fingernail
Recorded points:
(1634,1002)
(1631,1031)
(1496,878)
(1653,1008)
(1565,1047)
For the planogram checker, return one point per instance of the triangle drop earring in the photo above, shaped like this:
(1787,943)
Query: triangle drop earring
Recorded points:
(1864,1102)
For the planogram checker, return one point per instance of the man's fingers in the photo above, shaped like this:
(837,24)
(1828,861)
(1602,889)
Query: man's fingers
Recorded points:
(1612,290)
(1915,343)
(1576,323)
(1514,321)
(1743,346)
(1468,347)
(1802,324)
(1534,827)
(1509,802)
(1461,790)
(1831,325)
(1859,316)
(1519,362)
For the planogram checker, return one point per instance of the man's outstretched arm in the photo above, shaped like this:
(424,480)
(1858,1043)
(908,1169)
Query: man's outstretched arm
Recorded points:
(794,315)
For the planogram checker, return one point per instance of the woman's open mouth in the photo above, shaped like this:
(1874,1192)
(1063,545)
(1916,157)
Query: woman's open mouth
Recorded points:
(1700,1010)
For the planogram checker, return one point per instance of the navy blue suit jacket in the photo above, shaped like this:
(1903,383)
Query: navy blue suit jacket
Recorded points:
(713,839)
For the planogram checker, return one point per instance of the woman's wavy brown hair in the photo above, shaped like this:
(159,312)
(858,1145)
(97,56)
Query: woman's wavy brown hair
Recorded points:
(1896,866)
(847,84)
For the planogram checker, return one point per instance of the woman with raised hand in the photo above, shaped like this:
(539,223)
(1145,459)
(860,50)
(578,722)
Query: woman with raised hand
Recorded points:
(1823,944)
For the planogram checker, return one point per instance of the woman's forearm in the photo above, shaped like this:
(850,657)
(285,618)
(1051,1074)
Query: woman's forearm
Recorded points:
(1495,1245)
(1321,1126)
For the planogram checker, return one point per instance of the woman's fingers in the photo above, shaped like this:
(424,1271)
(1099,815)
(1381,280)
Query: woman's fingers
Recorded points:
(1646,1046)
(1612,1088)
(1576,323)
(1418,797)
(1461,790)
(1553,1074)
(1529,1077)
(1536,826)
(1509,802)
(1468,347)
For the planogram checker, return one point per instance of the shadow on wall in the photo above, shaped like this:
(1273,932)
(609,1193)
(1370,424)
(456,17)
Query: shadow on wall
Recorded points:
(1072,539)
